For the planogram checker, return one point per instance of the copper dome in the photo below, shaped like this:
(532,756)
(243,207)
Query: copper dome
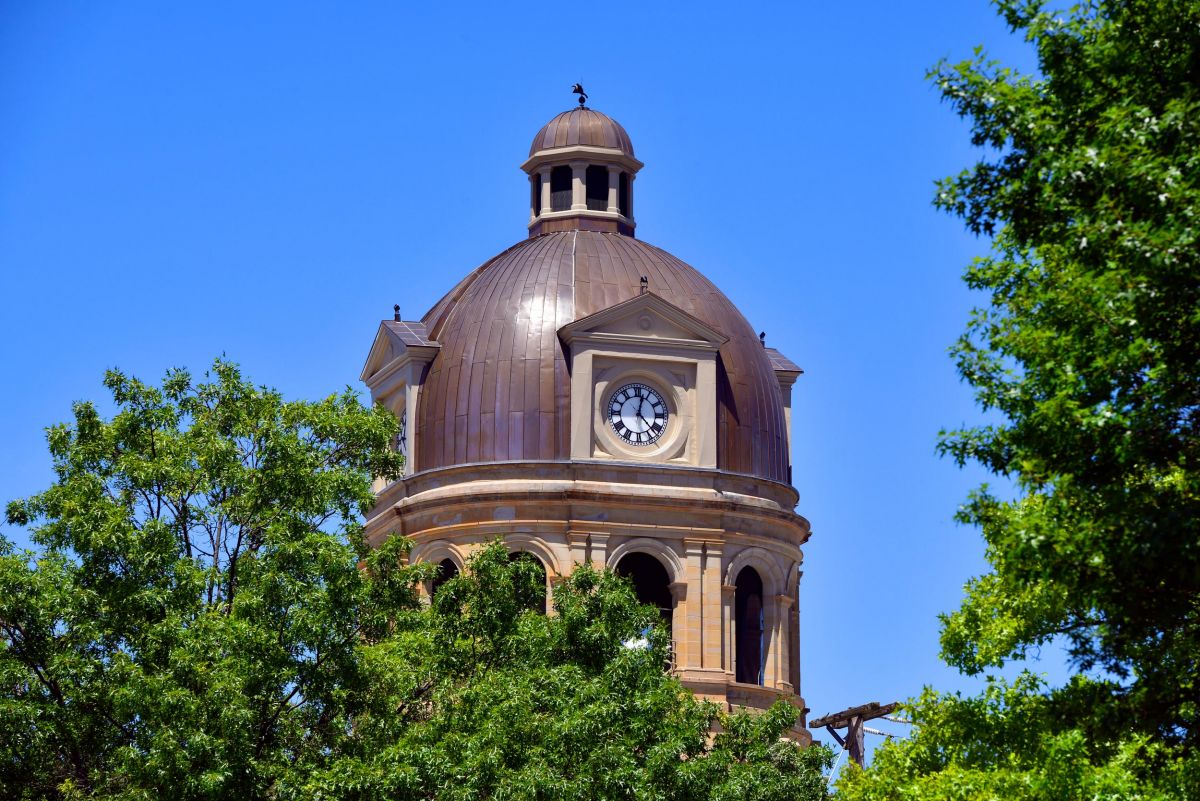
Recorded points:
(582,126)
(499,388)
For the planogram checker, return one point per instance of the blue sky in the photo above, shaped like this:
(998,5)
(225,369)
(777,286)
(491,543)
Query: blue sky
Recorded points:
(180,181)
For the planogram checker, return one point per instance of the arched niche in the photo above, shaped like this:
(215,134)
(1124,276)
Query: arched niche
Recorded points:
(750,630)
(651,582)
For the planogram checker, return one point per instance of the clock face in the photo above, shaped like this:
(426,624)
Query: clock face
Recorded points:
(637,414)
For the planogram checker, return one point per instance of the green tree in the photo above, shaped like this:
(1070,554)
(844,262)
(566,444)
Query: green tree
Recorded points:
(193,619)
(1087,350)
(202,620)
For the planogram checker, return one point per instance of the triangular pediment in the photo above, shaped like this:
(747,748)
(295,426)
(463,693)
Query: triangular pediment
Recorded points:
(396,343)
(645,318)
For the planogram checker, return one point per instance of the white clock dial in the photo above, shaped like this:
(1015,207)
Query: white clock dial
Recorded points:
(637,414)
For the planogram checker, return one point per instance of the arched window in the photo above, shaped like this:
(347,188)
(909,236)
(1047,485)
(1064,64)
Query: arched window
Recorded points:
(560,189)
(596,182)
(535,203)
(623,193)
(651,582)
(538,603)
(447,571)
(748,611)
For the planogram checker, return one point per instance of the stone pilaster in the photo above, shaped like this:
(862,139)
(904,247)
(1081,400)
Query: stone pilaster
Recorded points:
(692,640)
(728,592)
(679,623)
(712,635)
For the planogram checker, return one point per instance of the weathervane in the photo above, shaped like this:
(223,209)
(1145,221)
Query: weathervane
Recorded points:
(578,89)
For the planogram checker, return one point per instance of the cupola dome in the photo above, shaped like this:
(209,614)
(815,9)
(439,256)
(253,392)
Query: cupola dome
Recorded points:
(582,127)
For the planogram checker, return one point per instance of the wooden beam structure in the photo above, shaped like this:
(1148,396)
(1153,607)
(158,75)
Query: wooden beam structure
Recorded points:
(853,720)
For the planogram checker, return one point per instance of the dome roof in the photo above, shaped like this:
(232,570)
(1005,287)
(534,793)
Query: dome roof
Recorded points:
(582,126)
(499,389)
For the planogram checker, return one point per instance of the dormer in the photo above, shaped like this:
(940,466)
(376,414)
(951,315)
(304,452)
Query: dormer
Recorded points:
(643,384)
(396,367)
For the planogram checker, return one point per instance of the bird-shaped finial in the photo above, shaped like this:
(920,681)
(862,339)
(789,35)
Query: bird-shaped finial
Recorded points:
(578,89)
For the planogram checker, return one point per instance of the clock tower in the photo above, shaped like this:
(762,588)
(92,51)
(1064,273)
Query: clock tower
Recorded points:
(591,399)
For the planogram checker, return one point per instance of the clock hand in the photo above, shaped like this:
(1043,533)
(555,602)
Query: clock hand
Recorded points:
(642,417)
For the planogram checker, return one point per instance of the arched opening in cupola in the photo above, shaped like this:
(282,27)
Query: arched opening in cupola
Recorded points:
(560,189)
(623,194)
(535,200)
(538,602)
(749,628)
(596,181)
(651,582)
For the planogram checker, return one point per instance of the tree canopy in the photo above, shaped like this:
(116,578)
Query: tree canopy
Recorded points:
(1087,351)
(498,700)
(202,620)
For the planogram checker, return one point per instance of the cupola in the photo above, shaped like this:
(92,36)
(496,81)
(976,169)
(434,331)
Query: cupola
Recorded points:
(581,169)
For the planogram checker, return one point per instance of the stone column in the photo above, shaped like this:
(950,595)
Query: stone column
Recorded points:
(781,653)
(614,182)
(578,195)
(545,173)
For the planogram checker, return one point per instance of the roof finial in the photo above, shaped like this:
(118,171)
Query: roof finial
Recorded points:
(645,283)
(762,338)
(578,89)
(396,312)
